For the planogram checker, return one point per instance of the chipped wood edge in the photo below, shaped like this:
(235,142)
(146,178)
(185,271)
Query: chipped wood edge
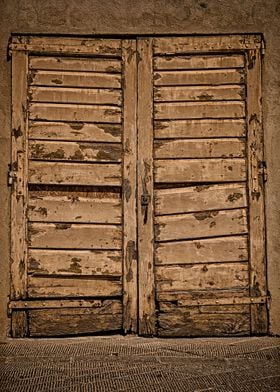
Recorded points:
(130,295)
(194,44)
(147,319)
(19,327)
(19,164)
(256,190)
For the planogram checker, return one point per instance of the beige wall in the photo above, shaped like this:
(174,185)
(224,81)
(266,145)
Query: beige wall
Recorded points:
(150,17)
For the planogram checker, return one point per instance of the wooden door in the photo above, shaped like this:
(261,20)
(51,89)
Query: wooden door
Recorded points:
(200,204)
(73,261)
(137,197)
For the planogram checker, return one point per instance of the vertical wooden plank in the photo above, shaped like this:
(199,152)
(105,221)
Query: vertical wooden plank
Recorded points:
(256,189)
(19,324)
(145,188)
(130,278)
(19,169)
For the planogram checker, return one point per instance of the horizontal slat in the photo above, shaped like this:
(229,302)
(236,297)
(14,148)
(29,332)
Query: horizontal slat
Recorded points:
(74,173)
(195,277)
(50,287)
(212,250)
(75,151)
(203,148)
(74,79)
(201,224)
(72,112)
(201,295)
(67,45)
(178,45)
(56,303)
(188,110)
(61,262)
(199,93)
(166,307)
(199,128)
(200,198)
(74,209)
(75,131)
(182,323)
(74,236)
(75,64)
(199,170)
(199,62)
(61,322)
(199,77)
(75,95)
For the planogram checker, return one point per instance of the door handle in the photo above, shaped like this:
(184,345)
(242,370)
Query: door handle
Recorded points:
(145,201)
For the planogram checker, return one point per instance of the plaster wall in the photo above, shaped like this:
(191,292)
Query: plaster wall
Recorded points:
(90,17)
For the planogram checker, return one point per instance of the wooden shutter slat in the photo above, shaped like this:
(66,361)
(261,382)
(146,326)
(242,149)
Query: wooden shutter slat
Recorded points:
(201,224)
(75,95)
(78,262)
(188,110)
(74,236)
(74,174)
(200,170)
(75,131)
(199,77)
(75,64)
(211,250)
(200,198)
(198,62)
(75,151)
(74,209)
(203,148)
(199,128)
(72,112)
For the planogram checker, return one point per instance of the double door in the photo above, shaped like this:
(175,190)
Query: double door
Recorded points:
(137,186)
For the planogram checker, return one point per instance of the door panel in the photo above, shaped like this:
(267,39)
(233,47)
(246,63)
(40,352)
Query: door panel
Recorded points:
(137,199)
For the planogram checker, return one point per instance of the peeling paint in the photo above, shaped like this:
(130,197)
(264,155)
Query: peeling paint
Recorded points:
(204,215)
(126,189)
(17,132)
(234,197)
(62,226)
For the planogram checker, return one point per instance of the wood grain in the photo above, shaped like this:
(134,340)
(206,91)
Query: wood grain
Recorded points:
(74,236)
(75,64)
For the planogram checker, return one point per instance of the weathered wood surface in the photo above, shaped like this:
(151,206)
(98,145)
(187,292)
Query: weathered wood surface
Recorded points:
(191,322)
(199,77)
(199,62)
(75,151)
(258,286)
(67,45)
(200,296)
(130,267)
(72,112)
(199,93)
(74,79)
(74,173)
(188,110)
(225,43)
(207,276)
(18,263)
(75,262)
(77,64)
(75,95)
(201,224)
(50,287)
(75,131)
(146,288)
(166,307)
(56,303)
(74,236)
(74,209)
(199,170)
(61,322)
(200,198)
(19,324)
(230,301)
(199,128)
(212,250)
(202,148)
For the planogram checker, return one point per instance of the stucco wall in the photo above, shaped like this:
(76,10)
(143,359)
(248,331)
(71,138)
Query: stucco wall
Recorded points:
(150,17)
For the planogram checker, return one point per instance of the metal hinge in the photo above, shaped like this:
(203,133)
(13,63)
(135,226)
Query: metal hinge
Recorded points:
(263,48)
(264,171)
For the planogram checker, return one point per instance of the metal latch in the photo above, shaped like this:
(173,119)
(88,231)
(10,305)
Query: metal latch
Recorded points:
(12,176)
(145,201)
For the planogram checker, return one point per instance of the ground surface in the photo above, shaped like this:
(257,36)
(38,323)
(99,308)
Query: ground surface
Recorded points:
(117,363)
